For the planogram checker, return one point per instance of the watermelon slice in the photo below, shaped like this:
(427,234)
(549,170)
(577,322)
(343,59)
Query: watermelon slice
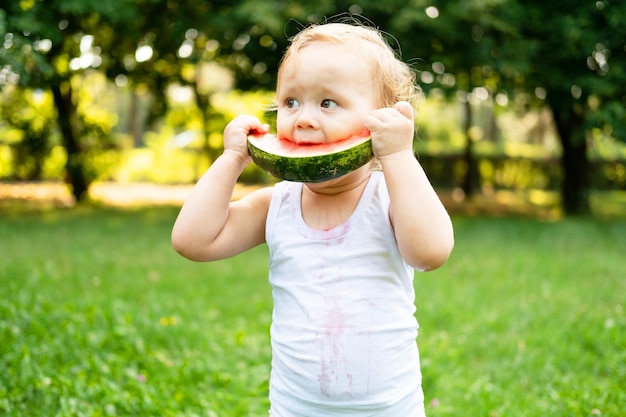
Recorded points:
(287,160)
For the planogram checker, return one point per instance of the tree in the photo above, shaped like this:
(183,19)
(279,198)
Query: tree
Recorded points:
(576,54)
(47,45)
(569,53)
(458,43)
(153,43)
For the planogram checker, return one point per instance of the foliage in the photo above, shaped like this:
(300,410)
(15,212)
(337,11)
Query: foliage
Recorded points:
(29,115)
(491,51)
(48,46)
(174,153)
(502,51)
(108,320)
(587,44)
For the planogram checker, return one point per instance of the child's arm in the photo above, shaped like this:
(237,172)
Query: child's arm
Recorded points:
(210,226)
(422,226)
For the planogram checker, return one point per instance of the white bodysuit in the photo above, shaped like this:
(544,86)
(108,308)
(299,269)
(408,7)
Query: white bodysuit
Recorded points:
(343,327)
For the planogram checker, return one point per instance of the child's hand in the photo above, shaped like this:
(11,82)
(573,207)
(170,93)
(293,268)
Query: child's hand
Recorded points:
(391,129)
(237,131)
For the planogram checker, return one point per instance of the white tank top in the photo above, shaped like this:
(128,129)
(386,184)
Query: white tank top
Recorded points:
(343,328)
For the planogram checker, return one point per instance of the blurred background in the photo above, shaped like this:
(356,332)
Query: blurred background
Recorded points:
(524,102)
(521,128)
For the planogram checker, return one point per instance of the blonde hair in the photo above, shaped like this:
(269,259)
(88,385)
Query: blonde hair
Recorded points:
(394,79)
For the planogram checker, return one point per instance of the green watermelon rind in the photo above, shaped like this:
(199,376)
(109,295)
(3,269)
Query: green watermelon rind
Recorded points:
(314,168)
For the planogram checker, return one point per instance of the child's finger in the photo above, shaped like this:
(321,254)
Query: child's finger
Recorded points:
(405,109)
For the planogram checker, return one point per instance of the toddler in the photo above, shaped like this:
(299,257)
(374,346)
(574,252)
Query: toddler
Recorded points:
(342,253)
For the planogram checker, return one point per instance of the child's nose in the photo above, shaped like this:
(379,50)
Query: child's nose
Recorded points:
(306,118)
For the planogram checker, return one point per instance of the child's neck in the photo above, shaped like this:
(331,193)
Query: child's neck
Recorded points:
(324,208)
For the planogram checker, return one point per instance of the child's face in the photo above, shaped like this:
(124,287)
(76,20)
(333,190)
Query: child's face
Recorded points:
(326,96)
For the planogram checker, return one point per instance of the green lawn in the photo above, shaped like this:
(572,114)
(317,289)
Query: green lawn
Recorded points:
(99,317)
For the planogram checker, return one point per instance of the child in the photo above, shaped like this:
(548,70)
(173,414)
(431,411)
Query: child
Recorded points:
(342,252)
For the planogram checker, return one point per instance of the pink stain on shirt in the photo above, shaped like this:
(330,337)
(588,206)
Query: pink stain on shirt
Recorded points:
(338,232)
(332,357)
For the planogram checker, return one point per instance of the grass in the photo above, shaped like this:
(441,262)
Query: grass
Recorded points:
(99,317)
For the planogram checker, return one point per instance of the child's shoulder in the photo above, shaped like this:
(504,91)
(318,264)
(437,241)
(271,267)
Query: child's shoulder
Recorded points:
(255,193)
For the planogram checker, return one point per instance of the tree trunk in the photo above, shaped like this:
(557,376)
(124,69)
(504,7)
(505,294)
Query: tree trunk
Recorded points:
(574,161)
(471,181)
(75,176)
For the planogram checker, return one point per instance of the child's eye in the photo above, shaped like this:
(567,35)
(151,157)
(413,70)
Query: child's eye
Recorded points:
(292,103)
(329,104)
